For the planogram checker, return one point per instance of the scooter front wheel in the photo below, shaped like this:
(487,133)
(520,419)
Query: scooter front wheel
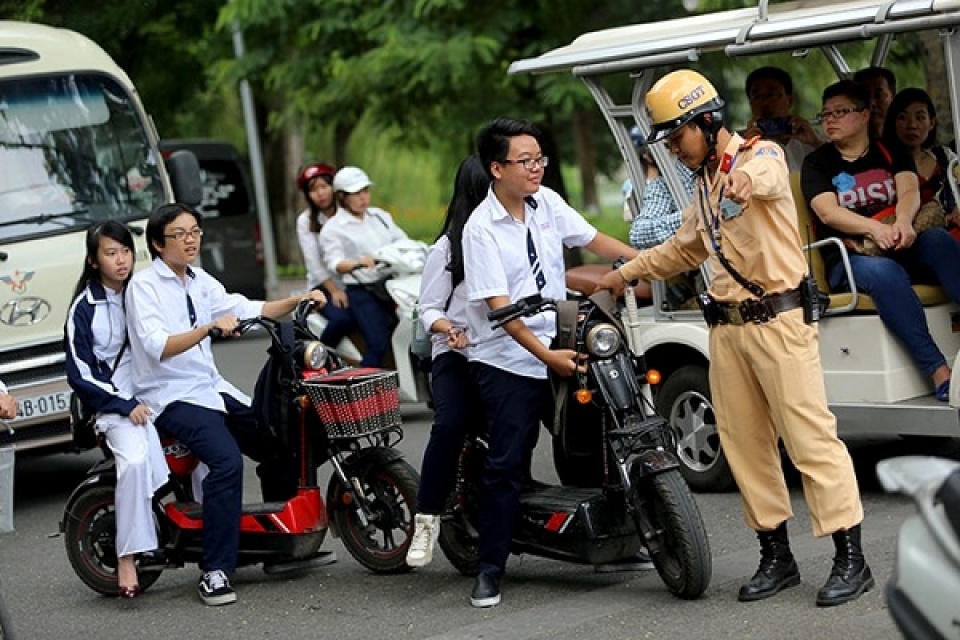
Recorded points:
(90,530)
(667,515)
(379,537)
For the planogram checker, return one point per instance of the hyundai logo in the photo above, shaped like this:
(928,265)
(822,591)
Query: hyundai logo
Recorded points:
(25,311)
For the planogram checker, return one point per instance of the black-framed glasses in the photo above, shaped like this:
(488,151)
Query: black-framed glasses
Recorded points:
(530,163)
(180,235)
(836,114)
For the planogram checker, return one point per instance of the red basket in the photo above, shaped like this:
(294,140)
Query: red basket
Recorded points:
(356,402)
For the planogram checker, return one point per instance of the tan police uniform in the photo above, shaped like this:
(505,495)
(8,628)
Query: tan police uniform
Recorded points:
(765,377)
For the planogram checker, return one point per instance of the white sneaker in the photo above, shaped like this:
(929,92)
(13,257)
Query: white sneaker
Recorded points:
(424,540)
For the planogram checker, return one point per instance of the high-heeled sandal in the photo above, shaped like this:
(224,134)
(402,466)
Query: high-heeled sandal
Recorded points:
(129,592)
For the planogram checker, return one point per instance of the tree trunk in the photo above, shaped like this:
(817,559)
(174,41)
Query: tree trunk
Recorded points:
(586,155)
(935,66)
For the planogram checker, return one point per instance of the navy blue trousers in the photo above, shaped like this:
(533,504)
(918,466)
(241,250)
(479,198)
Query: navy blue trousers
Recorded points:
(514,406)
(376,324)
(456,410)
(340,322)
(219,440)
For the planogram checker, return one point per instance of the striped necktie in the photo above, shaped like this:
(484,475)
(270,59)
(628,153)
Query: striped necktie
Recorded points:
(535,261)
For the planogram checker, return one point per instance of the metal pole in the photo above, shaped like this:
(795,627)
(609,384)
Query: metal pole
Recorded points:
(256,166)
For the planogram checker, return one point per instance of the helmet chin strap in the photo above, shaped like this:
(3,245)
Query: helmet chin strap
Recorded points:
(709,124)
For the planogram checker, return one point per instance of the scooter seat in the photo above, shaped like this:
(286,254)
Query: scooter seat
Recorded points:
(584,278)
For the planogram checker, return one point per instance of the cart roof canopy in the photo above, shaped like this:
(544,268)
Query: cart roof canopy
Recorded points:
(767,28)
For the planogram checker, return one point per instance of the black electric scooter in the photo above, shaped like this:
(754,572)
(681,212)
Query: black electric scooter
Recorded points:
(643,501)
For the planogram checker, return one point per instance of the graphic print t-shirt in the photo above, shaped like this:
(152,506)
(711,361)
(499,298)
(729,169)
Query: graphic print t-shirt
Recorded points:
(865,186)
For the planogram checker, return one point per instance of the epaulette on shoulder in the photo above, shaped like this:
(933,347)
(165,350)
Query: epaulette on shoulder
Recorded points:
(747,144)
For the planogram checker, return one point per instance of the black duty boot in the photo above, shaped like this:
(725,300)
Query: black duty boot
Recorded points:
(778,570)
(850,575)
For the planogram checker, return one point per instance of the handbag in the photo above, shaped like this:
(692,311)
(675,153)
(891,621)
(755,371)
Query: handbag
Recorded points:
(83,425)
(929,216)
(420,345)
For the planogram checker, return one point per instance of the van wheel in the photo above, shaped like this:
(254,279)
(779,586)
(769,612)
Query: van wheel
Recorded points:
(684,400)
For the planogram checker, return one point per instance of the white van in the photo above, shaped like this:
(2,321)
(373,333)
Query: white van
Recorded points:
(76,147)
(872,384)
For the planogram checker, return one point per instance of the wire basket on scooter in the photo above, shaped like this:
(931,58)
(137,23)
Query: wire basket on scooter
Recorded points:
(356,402)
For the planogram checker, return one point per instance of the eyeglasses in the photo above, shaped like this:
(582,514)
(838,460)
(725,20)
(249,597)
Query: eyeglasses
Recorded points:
(180,235)
(836,114)
(530,164)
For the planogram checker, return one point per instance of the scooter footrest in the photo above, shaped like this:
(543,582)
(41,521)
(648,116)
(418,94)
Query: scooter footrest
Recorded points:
(263,508)
(652,424)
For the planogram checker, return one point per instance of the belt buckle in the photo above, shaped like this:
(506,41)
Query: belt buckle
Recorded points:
(754,311)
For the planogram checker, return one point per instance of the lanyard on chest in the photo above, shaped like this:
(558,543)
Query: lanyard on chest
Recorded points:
(711,216)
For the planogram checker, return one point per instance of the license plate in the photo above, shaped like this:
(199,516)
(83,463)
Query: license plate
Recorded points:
(32,407)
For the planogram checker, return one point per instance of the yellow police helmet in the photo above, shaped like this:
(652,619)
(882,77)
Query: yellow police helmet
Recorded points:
(678,97)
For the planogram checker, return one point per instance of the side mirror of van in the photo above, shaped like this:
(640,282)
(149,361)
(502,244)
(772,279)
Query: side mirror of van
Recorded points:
(184,170)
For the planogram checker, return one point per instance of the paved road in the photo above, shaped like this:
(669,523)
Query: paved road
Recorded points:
(542,598)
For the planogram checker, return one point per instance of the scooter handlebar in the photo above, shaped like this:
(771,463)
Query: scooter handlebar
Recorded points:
(524,307)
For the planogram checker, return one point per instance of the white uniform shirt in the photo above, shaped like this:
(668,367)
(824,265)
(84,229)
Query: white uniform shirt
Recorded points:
(496,264)
(317,271)
(347,237)
(434,293)
(157,309)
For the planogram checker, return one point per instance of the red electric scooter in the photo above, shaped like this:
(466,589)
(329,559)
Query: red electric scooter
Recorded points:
(322,411)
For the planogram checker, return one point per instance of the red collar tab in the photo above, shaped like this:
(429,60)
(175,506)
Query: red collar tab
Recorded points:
(726,163)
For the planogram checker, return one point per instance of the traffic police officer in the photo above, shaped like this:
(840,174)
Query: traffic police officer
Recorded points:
(765,373)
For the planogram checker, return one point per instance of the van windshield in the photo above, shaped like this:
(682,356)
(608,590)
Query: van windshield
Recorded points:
(73,151)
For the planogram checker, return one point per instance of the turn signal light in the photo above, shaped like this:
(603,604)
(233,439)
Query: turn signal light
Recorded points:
(653,376)
(583,396)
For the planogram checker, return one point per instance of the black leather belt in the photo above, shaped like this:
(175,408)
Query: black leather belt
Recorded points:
(759,310)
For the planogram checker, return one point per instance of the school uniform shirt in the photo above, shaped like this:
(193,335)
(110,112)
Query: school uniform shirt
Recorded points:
(93,337)
(157,308)
(761,241)
(348,237)
(435,291)
(317,271)
(496,264)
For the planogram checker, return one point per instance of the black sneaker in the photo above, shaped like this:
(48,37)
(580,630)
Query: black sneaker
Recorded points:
(486,591)
(214,589)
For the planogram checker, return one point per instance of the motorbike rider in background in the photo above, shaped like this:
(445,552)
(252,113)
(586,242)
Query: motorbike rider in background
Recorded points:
(442,310)
(348,242)
(765,373)
(315,181)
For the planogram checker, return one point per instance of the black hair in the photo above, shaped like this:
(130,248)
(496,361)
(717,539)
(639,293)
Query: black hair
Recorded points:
(869,73)
(315,211)
(493,140)
(160,218)
(770,73)
(848,89)
(470,187)
(900,103)
(114,230)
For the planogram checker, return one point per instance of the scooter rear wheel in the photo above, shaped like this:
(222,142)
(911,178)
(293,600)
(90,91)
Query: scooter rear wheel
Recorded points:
(90,530)
(389,494)
(679,548)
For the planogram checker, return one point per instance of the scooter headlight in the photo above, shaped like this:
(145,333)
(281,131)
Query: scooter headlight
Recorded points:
(314,355)
(603,340)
